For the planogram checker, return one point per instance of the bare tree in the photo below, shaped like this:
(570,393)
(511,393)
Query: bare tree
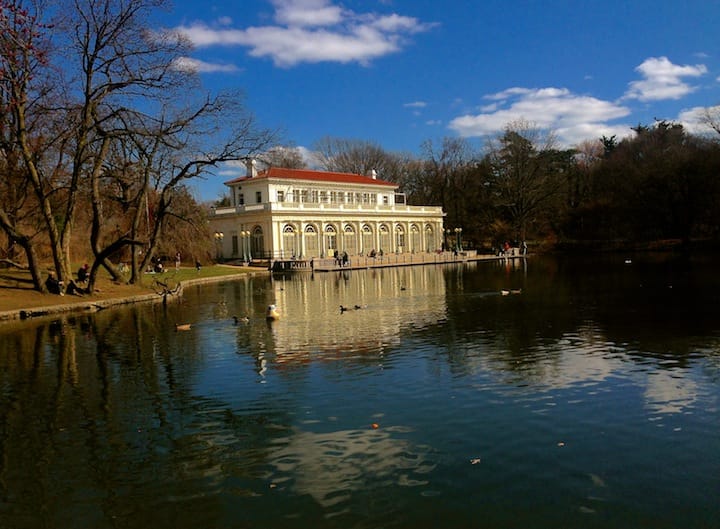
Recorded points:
(587,155)
(283,156)
(351,156)
(122,121)
(193,149)
(447,172)
(525,173)
(405,170)
(711,118)
(23,58)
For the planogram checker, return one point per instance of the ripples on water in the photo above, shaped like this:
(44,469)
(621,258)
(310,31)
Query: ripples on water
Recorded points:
(438,402)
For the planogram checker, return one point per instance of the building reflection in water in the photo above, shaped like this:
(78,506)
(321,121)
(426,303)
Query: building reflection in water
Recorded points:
(375,309)
(99,413)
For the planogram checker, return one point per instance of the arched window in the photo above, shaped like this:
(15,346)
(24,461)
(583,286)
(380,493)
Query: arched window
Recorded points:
(258,242)
(430,242)
(311,241)
(289,247)
(399,238)
(385,239)
(350,242)
(368,244)
(415,238)
(330,238)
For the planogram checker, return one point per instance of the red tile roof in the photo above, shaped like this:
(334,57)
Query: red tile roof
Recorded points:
(316,176)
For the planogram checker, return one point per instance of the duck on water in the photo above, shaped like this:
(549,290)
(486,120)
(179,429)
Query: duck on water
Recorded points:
(272,313)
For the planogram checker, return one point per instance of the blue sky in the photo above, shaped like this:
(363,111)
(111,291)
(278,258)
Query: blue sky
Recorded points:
(398,72)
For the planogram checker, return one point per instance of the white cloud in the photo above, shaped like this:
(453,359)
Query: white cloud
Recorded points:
(505,94)
(290,46)
(307,13)
(694,120)
(663,80)
(313,31)
(240,164)
(570,136)
(202,35)
(309,157)
(573,117)
(396,24)
(416,104)
(190,65)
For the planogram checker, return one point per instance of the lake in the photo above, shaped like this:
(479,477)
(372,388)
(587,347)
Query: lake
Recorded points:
(553,392)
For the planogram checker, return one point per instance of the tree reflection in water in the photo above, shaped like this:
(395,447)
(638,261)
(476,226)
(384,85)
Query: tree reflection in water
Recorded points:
(114,419)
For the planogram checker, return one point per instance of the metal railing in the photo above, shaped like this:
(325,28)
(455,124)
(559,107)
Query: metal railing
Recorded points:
(327,208)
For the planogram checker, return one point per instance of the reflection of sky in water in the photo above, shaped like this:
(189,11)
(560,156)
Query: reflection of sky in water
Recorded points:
(331,466)
(669,391)
(390,308)
(586,359)
(547,403)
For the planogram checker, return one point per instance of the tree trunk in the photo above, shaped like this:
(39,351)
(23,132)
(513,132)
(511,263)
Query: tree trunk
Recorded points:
(29,249)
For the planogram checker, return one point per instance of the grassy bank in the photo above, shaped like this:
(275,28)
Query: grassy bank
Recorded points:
(17,293)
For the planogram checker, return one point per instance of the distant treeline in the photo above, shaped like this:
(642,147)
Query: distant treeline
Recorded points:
(104,127)
(660,184)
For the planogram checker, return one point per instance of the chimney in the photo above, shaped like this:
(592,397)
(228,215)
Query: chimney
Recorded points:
(373,174)
(251,167)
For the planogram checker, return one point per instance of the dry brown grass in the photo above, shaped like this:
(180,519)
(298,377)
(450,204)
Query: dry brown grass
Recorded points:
(17,293)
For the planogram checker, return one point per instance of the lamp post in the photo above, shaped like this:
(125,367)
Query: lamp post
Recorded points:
(219,236)
(245,237)
(458,239)
(446,233)
(242,246)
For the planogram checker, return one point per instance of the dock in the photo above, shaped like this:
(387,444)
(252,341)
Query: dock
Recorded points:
(360,262)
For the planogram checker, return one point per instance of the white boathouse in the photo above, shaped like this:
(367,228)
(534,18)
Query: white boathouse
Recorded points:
(283,214)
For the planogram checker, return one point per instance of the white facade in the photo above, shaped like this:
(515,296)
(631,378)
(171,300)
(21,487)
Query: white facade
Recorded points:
(294,213)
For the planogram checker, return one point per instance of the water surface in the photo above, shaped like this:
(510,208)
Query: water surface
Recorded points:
(552,393)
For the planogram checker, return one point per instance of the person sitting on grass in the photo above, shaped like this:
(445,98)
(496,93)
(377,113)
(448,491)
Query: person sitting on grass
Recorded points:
(74,289)
(53,285)
(82,273)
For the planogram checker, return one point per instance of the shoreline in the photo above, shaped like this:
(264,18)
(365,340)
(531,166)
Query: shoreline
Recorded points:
(90,305)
